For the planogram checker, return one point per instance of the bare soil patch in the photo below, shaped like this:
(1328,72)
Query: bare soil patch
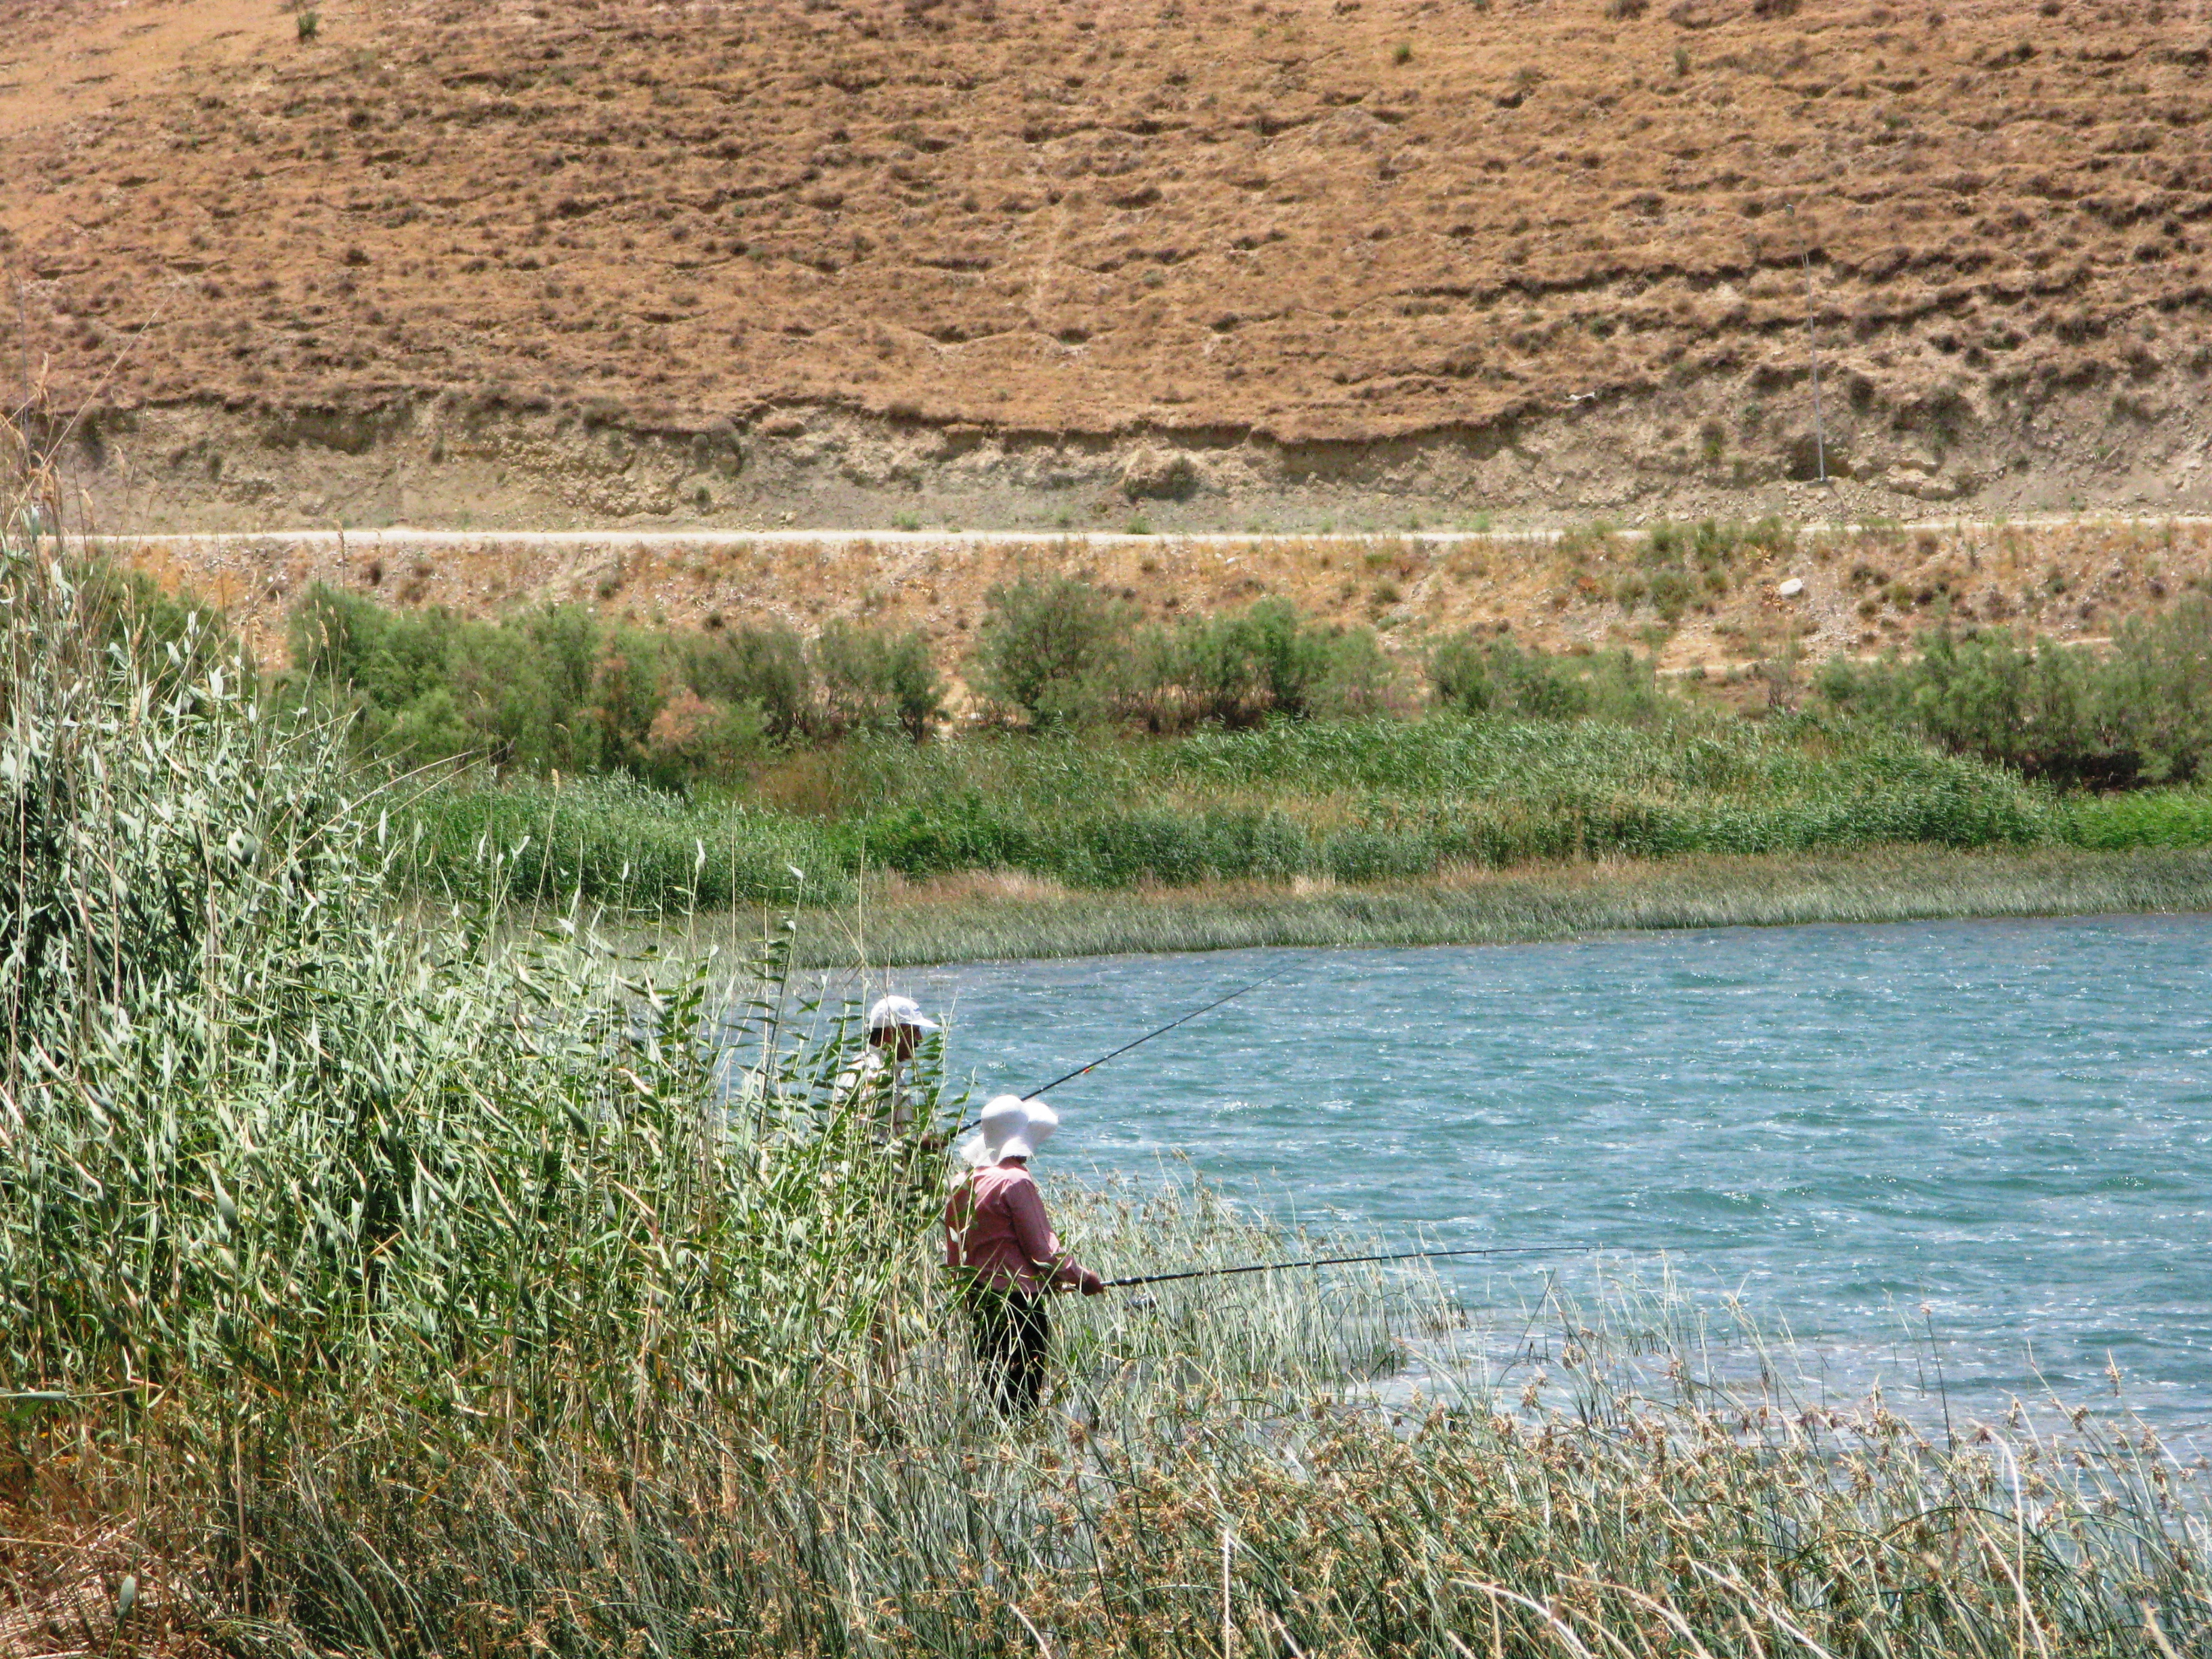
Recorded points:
(1016,261)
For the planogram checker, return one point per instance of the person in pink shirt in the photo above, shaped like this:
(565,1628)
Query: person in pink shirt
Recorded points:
(1003,1254)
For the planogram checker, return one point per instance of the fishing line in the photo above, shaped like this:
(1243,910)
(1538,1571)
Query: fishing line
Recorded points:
(1069,1076)
(1346,1261)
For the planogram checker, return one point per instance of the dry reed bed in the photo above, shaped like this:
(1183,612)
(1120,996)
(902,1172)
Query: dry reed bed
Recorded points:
(988,916)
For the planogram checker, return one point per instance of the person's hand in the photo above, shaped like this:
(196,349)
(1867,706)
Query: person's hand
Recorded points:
(1089,1283)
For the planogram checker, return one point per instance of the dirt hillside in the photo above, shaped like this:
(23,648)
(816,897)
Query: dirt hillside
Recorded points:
(1206,262)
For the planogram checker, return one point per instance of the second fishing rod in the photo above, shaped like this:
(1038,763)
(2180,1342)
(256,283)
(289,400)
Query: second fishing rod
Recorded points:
(1135,1279)
(1349,1260)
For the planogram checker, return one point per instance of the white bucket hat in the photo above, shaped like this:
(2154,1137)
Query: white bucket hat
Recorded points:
(1010,1127)
(889,1012)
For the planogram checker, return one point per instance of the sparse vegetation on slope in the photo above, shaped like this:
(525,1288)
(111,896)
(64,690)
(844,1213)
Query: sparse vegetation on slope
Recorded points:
(1189,263)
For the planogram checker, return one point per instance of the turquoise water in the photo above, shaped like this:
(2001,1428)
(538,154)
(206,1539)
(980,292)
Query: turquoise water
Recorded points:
(2005,1123)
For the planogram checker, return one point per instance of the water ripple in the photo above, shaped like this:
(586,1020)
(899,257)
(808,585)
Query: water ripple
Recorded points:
(2007,1121)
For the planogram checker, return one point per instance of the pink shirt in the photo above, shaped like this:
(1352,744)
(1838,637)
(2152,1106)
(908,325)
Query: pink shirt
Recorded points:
(995,1228)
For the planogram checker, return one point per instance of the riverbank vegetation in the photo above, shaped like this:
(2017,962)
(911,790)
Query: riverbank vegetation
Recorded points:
(745,765)
(1352,803)
(1000,917)
(407,1281)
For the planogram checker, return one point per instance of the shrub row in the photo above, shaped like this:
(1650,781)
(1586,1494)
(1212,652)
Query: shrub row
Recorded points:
(560,690)
(1496,676)
(1057,652)
(2141,714)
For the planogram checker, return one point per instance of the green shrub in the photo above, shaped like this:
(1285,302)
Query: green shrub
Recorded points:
(1477,676)
(691,737)
(2141,714)
(1672,591)
(1063,652)
(544,693)
(877,682)
(765,667)
(559,690)
(1044,643)
(1681,564)
(1356,679)
(2156,691)
(174,639)
(1239,669)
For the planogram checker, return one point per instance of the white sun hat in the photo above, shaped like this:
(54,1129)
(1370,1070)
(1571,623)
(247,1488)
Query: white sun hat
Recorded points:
(889,1012)
(1043,1121)
(1010,1127)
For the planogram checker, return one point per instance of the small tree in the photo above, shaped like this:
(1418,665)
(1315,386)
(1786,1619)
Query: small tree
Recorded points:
(1477,675)
(764,667)
(871,680)
(1042,640)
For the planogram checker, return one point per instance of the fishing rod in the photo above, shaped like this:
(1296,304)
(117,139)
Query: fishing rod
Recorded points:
(1069,1076)
(1346,1261)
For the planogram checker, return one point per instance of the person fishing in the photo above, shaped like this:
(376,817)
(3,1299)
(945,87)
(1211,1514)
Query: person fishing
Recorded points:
(1004,1255)
(876,1082)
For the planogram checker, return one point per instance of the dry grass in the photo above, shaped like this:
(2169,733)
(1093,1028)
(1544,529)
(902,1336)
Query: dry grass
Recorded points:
(979,887)
(954,921)
(62,1570)
(1190,215)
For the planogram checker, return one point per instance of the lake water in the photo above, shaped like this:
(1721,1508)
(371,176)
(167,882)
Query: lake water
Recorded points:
(2006,1124)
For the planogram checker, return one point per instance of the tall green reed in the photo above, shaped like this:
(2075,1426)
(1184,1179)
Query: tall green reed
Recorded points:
(1359,802)
(286,1174)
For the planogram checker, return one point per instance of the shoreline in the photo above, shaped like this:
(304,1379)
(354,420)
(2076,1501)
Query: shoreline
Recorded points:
(985,919)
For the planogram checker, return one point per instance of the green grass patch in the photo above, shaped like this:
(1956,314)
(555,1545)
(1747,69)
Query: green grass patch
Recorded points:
(2150,817)
(1354,802)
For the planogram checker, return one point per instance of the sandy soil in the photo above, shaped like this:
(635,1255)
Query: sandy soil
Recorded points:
(1015,262)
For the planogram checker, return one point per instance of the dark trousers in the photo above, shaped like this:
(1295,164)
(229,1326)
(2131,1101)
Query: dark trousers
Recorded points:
(1012,1334)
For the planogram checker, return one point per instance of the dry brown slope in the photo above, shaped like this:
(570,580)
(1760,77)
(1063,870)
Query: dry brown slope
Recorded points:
(1325,222)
